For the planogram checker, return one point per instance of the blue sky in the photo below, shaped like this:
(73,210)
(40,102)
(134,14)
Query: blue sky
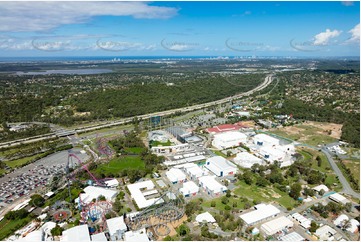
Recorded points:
(179,29)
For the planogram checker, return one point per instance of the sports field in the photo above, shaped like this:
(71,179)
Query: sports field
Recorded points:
(121,163)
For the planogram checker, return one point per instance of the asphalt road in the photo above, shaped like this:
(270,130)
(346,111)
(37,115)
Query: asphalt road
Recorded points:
(346,186)
(268,80)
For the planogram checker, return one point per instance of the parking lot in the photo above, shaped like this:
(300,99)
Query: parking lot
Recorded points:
(25,180)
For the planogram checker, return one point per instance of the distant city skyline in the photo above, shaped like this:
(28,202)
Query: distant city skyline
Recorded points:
(45,29)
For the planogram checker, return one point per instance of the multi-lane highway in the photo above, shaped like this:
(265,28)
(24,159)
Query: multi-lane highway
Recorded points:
(268,80)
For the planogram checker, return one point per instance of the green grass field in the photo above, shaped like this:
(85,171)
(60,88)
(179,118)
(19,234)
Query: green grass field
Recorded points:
(221,206)
(19,162)
(119,164)
(308,133)
(134,150)
(267,194)
(354,166)
(157,143)
(7,227)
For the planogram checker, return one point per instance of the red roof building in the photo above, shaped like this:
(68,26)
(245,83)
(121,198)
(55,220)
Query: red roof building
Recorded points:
(225,127)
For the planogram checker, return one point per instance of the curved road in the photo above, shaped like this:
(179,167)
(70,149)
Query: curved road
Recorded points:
(268,80)
(346,188)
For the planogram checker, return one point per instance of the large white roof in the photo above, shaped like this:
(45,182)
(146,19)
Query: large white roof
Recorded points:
(261,213)
(175,175)
(220,162)
(325,231)
(138,196)
(266,138)
(77,233)
(195,170)
(211,183)
(276,225)
(92,192)
(320,187)
(294,236)
(339,198)
(115,224)
(36,235)
(205,217)
(340,219)
(189,187)
(353,226)
(136,236)
(246,159)
(99,237)
(230,136)
(112,183)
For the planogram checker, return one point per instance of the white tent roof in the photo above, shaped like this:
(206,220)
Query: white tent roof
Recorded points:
(230,136)
(112,183)
(136,236)
(212,184)
(36,235)
(115,224)
(266,138)
(276,225)
(205,217)
(220,162)
(294,236)
(325,230)
(92,192)
(321,187)
(77,233)
(339,220)
(195,170)
(339,198)
(189,188)
(353,228)
(99,237)
(175,174)
(261,213)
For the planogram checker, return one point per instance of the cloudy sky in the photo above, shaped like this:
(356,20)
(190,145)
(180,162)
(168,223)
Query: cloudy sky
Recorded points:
(179,29)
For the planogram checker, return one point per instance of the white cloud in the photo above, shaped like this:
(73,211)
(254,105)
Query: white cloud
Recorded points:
(347,3)
(45,16)
(355,34)
(324,37)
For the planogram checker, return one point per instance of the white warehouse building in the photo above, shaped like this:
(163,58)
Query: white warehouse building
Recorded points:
(220,166)
(247,160)
(194,171)
(189,189)
(116,228)
(261,213)
(175,175)
(276,225)
(265,140)
(211,186)
(228,139)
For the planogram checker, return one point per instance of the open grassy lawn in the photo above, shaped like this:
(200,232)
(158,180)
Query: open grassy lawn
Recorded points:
(330,180)
(354,166)
(286,135)
(267,194)
(134,150)
(19,162)
(318,139)
(221,206)
(158,143)
(121,163)
(309,154)
(7,227)
(307,134)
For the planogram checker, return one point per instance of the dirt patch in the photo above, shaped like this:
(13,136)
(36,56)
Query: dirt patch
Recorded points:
(249,124)
(331,129)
